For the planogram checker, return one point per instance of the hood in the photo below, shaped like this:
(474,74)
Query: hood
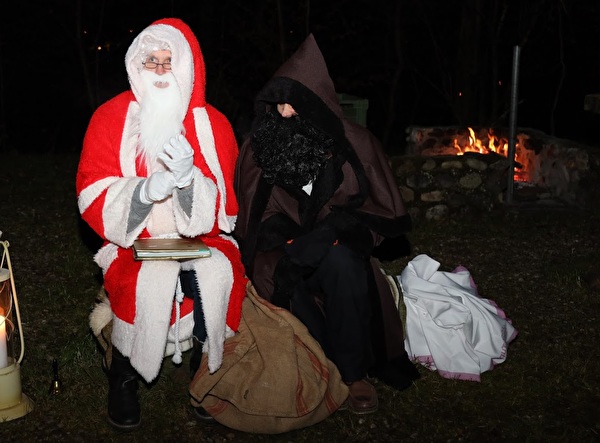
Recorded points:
(188,62)
(307,66)
(304,82)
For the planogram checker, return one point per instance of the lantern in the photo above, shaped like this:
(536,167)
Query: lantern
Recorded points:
(13,403)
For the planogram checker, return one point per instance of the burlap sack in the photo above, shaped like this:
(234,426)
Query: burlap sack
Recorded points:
(274,377)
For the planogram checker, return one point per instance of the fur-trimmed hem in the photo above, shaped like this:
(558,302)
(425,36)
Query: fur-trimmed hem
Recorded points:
(101,314)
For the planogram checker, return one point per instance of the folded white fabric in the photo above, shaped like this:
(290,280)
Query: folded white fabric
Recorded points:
(449,328)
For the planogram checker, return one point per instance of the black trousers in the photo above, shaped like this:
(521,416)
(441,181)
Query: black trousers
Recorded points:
(189,286)
(341,323)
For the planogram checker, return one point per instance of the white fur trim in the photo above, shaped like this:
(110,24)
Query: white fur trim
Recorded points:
(202,218)
(151,337)
(92,192)
(154,300)
(207,145)
(123,334)
(129,140)
(101,315)
(115,213)
(105,256)
(230,239)
(215,279)
(122,329)
(232,220)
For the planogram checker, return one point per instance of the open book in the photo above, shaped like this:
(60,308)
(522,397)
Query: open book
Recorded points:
(169,248)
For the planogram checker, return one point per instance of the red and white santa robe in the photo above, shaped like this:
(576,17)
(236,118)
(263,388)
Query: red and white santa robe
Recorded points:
(110,173)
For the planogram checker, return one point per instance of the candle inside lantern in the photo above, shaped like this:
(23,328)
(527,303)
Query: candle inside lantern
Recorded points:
(3,344)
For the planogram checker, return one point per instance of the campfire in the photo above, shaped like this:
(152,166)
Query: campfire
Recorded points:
(498,145)
(450,170)
(540,160)
(475,144)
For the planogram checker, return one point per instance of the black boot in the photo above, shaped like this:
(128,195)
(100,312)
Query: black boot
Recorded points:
(123,404)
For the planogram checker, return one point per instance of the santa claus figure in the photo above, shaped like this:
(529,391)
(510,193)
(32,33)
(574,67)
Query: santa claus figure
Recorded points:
(158,162)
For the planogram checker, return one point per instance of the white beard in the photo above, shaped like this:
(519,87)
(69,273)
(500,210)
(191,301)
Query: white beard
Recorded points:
(161,114)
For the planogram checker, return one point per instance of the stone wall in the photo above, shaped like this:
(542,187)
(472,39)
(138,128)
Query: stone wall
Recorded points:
(436,183)
(434,188)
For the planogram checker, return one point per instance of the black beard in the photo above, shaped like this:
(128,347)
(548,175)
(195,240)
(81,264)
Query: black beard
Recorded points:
(290,151)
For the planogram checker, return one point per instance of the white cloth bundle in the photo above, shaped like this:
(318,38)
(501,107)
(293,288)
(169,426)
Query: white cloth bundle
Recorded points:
(449,328)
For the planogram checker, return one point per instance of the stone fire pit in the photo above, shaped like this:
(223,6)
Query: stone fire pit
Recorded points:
(436,182)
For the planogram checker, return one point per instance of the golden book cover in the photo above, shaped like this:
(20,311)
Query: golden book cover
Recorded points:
(169,248)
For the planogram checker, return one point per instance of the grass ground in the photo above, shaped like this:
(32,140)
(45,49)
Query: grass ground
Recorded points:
(535,264)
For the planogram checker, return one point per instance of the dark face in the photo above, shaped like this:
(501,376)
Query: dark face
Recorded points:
(290,151)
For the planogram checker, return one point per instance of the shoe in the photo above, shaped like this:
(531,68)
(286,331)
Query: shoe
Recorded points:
(202,415)
(362,397)
(123,406)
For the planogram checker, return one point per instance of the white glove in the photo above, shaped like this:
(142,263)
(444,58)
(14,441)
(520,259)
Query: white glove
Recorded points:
(157,187)
(179,158)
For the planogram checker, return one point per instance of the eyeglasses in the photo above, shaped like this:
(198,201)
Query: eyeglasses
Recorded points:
(153,65)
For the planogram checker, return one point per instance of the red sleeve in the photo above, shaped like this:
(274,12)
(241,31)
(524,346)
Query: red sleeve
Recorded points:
(227,150)
(100,154)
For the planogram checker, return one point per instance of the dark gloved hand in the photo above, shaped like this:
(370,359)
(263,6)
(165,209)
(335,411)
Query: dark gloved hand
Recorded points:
(275,231)
(351,232)
(309,249)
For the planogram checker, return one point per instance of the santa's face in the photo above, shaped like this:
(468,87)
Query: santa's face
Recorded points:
(159,62)
(161,107)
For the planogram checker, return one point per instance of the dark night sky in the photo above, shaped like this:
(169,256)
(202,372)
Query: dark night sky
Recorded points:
(410,58)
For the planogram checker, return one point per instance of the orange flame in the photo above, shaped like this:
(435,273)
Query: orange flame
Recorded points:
(475,144)
(472,143)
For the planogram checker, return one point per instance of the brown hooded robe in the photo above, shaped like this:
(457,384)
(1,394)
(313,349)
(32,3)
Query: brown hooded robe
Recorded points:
(357,194)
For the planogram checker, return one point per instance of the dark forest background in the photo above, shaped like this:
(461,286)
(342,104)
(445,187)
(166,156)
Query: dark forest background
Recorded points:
(418,62)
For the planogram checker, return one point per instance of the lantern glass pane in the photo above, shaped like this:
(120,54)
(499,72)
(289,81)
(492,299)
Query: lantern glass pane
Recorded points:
(7,328)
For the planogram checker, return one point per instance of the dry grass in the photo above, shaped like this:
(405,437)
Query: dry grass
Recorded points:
(534,264)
